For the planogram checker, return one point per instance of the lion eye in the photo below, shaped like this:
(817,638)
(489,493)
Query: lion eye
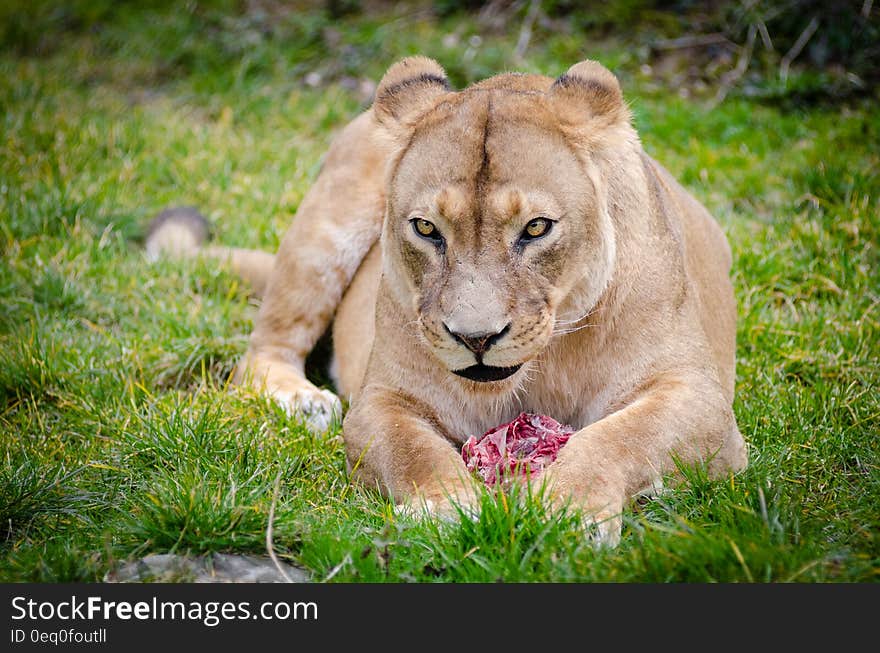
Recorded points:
(537,228)
(425,229)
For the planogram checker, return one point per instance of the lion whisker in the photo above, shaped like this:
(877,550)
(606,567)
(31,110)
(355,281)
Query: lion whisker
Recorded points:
(565,332)
(590,312)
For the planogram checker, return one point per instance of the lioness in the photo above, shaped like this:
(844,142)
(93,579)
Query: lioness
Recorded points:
(505,248)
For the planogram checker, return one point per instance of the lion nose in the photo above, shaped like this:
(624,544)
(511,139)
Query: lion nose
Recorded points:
(479,343)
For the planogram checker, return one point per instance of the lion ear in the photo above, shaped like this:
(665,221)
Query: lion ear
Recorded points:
(588,90)
(408,90)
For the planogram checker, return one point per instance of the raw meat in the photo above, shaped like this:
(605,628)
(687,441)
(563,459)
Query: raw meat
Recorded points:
(525,446)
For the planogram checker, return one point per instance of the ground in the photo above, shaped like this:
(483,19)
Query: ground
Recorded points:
(120,438)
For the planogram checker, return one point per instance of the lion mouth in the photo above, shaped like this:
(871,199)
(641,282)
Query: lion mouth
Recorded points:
(485,373)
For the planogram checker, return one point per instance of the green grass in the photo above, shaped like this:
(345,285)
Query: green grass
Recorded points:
(119,435)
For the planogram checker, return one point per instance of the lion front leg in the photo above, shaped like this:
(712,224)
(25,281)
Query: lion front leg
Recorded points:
(673,420)
(393,441)
(337,223)
(313,267)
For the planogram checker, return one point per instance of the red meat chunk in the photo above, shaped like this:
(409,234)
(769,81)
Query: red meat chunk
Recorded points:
(525,446)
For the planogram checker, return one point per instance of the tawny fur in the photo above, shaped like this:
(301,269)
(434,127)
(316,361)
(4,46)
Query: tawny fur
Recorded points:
(622,316)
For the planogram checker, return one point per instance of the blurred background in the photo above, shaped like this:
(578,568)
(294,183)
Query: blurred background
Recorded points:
(302,68)
(779,50)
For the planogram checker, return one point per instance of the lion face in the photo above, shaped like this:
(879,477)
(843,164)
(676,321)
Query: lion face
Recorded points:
(496,233)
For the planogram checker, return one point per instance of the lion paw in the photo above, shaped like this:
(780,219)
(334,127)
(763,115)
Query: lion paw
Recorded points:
(418,509)
(604,530)
(319,409)
(442,510)
(446,509)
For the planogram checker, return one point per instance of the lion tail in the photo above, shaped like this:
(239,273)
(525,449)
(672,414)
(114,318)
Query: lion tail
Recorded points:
(182,232)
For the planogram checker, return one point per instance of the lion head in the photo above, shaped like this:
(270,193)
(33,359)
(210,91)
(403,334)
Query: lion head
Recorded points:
(497,232)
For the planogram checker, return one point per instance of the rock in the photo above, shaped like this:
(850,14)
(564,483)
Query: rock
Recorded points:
(450,41)
(313,79)
(212,568)
(363,88)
